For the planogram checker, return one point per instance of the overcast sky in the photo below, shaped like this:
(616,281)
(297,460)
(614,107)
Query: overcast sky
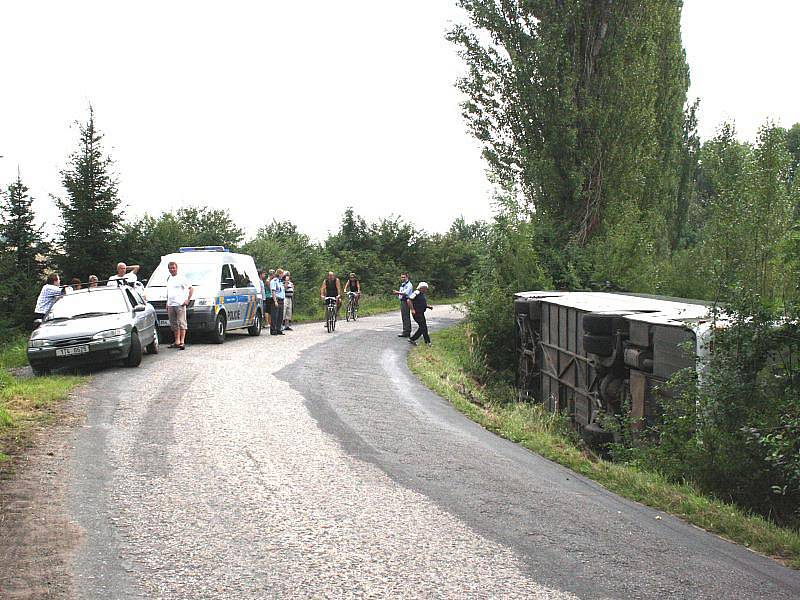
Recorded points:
(296,110)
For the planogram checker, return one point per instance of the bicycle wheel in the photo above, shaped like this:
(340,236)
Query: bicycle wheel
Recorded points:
(349,312)
(329,319)
(355,312)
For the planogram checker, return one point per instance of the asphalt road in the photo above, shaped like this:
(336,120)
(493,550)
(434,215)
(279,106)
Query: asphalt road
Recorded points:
(315,465)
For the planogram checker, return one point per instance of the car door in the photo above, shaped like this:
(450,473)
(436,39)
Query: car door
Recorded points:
(233,301)
(247,295)
(140,318)
(148,316)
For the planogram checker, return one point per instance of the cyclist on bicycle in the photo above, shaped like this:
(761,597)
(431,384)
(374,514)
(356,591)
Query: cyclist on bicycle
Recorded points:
(331,288)
(353,285)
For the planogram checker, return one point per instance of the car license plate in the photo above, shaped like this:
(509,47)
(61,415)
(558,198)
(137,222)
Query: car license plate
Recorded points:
(72,351)
(163,323)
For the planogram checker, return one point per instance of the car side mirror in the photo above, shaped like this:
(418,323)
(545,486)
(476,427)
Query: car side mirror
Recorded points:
(139,308)
(37,322)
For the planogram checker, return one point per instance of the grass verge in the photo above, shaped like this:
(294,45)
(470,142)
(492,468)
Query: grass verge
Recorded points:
(26,402)
(442,368)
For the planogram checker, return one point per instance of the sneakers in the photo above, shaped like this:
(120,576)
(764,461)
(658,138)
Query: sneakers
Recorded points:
(287,328)
(412,342)
(403,335)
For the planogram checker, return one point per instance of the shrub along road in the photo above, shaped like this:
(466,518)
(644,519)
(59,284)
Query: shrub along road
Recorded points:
(316,465)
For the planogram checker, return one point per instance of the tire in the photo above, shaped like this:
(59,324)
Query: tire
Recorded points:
(220,326)
(521,307)
(329,319)
(152,347)
(135,355)
(255,328)
(355,312)
(599,325)
(349,312)
(601,345)
(40,370)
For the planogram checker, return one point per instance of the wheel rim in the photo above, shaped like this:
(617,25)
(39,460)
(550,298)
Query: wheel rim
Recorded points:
(220,328)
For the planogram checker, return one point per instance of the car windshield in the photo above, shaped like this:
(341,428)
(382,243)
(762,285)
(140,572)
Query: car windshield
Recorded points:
(88,304)
(198,274)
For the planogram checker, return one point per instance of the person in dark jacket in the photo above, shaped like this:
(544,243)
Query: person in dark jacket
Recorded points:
(418,305)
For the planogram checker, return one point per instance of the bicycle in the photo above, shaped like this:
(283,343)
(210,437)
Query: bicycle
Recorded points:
(330,313)
(352,307)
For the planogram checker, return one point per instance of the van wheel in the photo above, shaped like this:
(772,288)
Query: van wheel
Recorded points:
(255,328)
(135,355)
(220,325)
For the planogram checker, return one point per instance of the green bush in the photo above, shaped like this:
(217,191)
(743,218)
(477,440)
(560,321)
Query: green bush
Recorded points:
(735,429)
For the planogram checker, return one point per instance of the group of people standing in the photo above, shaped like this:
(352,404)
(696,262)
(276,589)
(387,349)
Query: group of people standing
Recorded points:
(52,290)
(278,291)
(413,304)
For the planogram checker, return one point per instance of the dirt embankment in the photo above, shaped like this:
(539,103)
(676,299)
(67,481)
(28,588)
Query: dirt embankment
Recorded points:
(36,538)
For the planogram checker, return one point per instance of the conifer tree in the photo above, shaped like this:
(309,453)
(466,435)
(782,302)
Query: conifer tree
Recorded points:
(91,210)
(23,250)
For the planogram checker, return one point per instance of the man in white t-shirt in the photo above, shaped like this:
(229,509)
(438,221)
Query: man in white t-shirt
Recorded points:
(124,273)
(179,292)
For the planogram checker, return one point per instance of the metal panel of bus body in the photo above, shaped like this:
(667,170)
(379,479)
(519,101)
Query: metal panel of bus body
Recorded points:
(673,350)
(569,381)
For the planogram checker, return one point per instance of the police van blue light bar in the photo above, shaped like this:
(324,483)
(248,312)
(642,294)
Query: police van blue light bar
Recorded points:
(203,249)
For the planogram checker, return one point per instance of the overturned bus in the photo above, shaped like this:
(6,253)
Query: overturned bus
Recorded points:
(588,354)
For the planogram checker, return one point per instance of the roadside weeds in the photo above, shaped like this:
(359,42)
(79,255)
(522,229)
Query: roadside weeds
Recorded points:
(441,368)
(26,403)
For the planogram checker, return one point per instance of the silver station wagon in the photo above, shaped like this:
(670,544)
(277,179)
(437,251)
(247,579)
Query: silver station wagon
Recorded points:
(93,326)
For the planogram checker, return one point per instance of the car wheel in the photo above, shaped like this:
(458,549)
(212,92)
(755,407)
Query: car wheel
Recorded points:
(152,347)
(218,335)
(135,355)
(255,328)
(40,370)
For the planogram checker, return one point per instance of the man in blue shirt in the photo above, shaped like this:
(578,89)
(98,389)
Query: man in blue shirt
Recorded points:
(50,293)
(402,293)
(278,296)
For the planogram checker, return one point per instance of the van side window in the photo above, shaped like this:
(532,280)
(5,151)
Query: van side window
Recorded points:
(242,279)
(226,276)
(237,279)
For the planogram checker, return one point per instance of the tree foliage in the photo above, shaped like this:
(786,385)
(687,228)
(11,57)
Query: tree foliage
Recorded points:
(145,240)
(579,106)
(90,211)
(23,249)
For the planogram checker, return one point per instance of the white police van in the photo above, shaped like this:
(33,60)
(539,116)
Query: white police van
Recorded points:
(227,292)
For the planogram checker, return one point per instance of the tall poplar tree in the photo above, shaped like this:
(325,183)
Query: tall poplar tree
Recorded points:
(579,105)
(90,211)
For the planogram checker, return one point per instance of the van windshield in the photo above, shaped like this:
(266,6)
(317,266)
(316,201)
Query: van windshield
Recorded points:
(198,274)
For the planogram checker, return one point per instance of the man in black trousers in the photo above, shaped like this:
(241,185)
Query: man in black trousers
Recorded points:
(418,305)
(402,293)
